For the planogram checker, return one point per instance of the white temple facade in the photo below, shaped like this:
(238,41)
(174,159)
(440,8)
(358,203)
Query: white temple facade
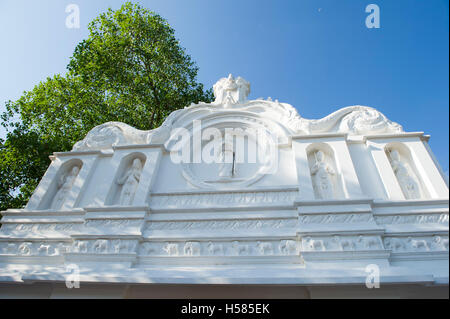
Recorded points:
(235,198)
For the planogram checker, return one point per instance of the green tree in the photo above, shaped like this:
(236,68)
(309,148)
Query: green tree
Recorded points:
(131,69)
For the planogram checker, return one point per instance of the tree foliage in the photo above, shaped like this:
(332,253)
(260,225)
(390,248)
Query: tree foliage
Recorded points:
(130,69)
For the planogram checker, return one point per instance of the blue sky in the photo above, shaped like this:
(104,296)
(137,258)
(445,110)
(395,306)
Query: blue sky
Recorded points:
(317,55)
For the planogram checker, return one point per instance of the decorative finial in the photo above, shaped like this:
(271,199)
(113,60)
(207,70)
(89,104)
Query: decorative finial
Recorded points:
(229,91)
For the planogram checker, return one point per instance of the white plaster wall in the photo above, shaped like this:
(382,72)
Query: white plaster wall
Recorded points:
(94,190)
(169,177)
(368,176)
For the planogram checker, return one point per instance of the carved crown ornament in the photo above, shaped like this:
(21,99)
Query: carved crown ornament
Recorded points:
(231,101)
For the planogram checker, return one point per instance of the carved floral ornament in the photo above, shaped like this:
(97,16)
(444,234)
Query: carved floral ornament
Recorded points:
(231,97)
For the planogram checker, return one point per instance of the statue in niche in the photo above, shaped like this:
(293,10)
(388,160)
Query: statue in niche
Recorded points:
(130,182)
(322,174)
(227,162)
(406,178)
(64,186)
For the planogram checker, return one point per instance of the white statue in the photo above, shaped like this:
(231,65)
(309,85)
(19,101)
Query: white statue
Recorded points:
(321,174)
(64,186)
(408,182)
(130,182)
(227,161)
(229,91)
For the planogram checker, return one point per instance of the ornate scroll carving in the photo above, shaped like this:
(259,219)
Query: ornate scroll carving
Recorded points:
(113,223)
(354,120)
(442,218)
(38,229)
(221,224)
(335,218)
(222,198)
(231,92)
(110,134)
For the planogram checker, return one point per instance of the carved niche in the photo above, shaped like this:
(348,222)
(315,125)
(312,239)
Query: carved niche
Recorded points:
(61,186)
(126,180)
(405,171)
(324,175)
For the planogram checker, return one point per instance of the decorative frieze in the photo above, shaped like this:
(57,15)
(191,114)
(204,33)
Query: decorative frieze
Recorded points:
(38,229)
(439,218)
(34,248)
(230,224)
(336,218)
(225,199)
(113,223)
(104,246)
(341,243)
(286,247)
(417,244)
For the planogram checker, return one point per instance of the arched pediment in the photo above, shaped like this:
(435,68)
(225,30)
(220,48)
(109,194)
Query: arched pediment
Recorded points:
(231,105)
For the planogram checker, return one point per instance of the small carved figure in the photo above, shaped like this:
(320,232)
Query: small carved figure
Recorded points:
(215,249)
(81,247)
(101,246)
(368,242)
(395,244)
(418,244)
(130,182)
(64,186)
(171,249)
(344,244)
(322,173)
(240,249)
(25,249)
(265,248)
(192,248)
(406,178)
(120,246)
(287,247)
(314,244)
(439,243)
